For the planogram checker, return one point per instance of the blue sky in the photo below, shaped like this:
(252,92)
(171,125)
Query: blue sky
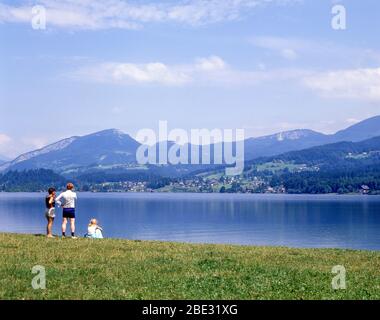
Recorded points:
(265,66)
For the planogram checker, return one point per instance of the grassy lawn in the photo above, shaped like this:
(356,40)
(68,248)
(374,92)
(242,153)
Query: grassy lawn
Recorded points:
(121,269)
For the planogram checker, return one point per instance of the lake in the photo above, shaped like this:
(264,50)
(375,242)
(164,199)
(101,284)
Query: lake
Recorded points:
(281,220)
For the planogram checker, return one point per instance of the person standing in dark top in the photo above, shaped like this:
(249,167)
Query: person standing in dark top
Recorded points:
(50,211)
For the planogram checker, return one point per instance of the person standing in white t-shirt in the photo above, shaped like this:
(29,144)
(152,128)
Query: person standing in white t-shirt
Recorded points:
(67,200)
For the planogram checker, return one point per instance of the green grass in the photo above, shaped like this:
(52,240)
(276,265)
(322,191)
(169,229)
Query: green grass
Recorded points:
(121,269)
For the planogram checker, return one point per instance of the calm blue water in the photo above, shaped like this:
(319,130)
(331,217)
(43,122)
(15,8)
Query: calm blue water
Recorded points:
(285,220)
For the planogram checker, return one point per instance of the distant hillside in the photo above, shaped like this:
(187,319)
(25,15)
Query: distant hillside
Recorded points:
(342,167)
(336,155)
(31,180)
(361,131)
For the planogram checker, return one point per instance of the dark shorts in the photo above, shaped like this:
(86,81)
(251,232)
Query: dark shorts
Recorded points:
(69,213)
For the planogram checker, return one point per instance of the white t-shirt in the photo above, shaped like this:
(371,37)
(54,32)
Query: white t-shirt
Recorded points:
(69,199)
(94,232)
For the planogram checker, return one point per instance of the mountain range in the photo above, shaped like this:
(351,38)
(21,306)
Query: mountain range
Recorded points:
(112,149)
(283,142)
(102,149)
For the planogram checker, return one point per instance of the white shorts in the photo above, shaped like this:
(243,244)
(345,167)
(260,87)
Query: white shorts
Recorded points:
(50,213)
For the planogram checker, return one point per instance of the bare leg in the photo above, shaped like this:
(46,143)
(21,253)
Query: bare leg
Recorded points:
(72,225)
(47,227)
(64,223)
(50,227)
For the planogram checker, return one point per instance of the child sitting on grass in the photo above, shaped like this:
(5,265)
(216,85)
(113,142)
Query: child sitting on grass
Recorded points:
(94,231)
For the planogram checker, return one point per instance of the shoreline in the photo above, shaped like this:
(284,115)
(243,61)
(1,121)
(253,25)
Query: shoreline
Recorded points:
(58,237)
(207,193)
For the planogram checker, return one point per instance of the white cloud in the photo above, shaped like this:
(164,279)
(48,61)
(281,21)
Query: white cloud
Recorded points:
(211,71)
(279,43)
(103,14)
(362,84)
(129,73)
(351,82)
(35,142)
(117,110)
(211,64)
(289,54)
(149,73)
(11,147)
(6,144)
(352,120)
(286,47)
(4,139)
(294,48)
(155,73)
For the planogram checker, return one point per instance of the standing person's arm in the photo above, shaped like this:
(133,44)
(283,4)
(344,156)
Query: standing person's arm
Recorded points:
(57,200)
